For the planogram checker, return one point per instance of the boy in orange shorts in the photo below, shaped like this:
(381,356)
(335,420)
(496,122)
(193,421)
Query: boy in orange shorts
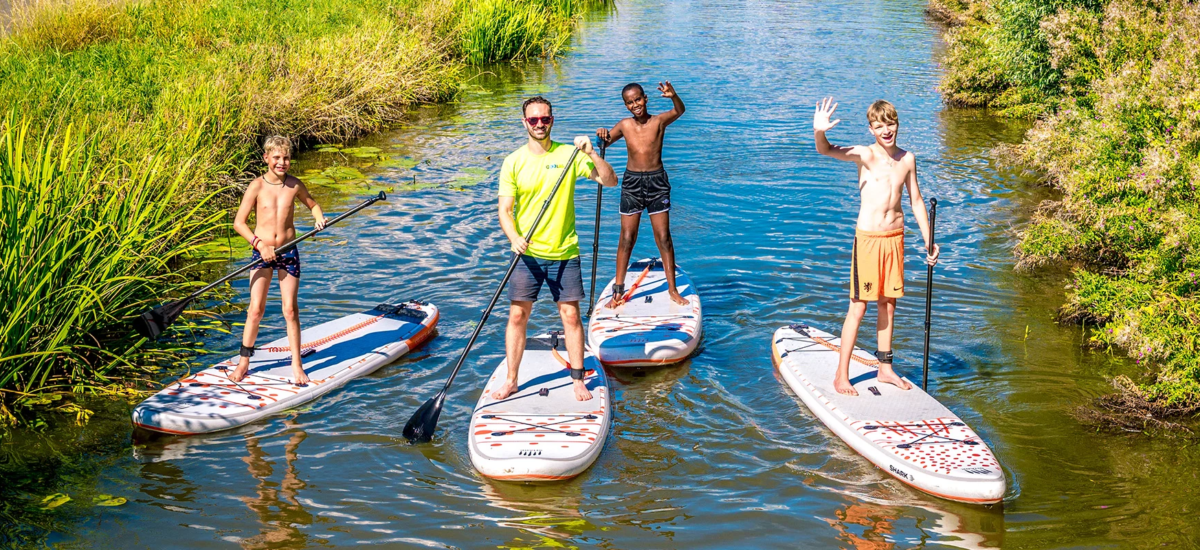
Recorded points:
(885,171)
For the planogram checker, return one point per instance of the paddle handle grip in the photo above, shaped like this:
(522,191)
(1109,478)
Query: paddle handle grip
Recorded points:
(601,144)
(512,265)
(290,244)
(928,295)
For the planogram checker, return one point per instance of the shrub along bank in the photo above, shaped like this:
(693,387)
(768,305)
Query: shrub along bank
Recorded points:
(1116,87)
(125,125)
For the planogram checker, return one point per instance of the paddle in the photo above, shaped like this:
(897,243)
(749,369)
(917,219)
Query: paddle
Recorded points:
(602,144)
(928,297)
(421,426)
(152,323)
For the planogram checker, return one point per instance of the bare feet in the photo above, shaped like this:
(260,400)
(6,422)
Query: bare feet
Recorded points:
(889,376)
(240,372)
(298,374)
(677,298)
(508,388)
(844,387)
(581,391)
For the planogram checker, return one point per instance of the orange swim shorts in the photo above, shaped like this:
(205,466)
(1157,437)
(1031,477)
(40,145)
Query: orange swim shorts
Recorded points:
(877,265)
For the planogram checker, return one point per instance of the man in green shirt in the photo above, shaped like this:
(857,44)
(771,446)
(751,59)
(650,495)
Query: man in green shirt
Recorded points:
(551,255)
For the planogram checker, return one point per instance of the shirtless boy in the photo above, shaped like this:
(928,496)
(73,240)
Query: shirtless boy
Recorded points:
(885,171)
(273,197)
(645,185)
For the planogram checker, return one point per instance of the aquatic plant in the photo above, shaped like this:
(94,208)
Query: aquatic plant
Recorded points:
(84,244)
(1120,137)
(137,120)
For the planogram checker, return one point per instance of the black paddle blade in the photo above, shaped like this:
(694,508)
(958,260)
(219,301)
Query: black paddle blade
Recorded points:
(153,323)
(421,426)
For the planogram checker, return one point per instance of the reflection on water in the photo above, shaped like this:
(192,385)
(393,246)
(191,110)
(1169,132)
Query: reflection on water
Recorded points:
(280,515)
(713,453)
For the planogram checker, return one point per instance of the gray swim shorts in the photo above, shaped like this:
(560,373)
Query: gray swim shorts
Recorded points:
(564,278)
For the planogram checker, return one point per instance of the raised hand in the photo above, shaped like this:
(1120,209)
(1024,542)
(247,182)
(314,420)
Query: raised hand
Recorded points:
(822,115)
(667,89)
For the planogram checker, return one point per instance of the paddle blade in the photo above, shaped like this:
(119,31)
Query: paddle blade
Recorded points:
(153,323)
(423,423)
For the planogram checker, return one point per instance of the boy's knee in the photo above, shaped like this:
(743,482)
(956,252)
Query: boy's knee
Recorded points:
(627,238)
(858,309)
(256,312)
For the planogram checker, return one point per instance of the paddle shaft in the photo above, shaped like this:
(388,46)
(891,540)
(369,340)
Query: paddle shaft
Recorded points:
(928,296)
(290,245)
(512,265)
(596,234)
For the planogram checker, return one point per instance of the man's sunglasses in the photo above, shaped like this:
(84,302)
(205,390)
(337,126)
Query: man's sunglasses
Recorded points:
(534,120)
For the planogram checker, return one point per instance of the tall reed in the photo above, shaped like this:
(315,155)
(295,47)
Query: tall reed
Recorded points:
(84,244)
(136,115)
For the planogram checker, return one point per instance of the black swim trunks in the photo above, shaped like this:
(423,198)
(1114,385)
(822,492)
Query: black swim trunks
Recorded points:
(288,261)
(645,191)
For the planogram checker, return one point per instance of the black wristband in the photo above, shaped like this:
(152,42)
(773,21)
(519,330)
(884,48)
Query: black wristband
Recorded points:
(576,374)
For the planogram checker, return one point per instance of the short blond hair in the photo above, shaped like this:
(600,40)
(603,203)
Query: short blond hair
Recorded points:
(277,143)
(882,111)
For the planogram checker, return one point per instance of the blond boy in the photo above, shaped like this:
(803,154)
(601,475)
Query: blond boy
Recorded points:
(885,171)
(272,197)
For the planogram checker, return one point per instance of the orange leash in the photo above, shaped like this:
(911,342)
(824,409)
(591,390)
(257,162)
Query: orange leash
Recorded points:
(834,347)
(327,339)
(638,282)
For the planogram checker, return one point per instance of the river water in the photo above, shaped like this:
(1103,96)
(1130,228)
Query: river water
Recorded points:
(715,452)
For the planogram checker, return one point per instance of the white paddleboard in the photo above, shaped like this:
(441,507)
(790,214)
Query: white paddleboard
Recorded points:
(649,328)
(907,434)
(541,432)
(333,353)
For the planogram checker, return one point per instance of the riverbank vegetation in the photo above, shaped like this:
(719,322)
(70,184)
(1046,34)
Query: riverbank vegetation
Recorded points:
(128,125)
(1115,86)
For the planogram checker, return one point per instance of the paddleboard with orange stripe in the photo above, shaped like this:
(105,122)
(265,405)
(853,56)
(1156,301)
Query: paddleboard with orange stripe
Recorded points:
(541,432)
(333,354)
(649,328)
(908,434)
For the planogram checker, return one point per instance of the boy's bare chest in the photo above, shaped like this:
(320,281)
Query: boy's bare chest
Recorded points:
(884,172)
(644,134)
(275,199)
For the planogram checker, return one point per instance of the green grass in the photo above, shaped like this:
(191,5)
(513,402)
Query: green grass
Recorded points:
(131,124)
(1119,136)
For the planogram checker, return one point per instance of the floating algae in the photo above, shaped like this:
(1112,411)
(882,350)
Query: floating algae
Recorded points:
(403,163)
(107,500)
(55,500)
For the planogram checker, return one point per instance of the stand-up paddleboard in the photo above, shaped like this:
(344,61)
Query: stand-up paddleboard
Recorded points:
(908,434)
(541,432)
(333,353)
(649,328)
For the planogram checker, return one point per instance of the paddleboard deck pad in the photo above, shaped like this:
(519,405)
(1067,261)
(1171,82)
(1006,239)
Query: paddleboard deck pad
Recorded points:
(333,353)
(541,432)
(649,328)
(907,434)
